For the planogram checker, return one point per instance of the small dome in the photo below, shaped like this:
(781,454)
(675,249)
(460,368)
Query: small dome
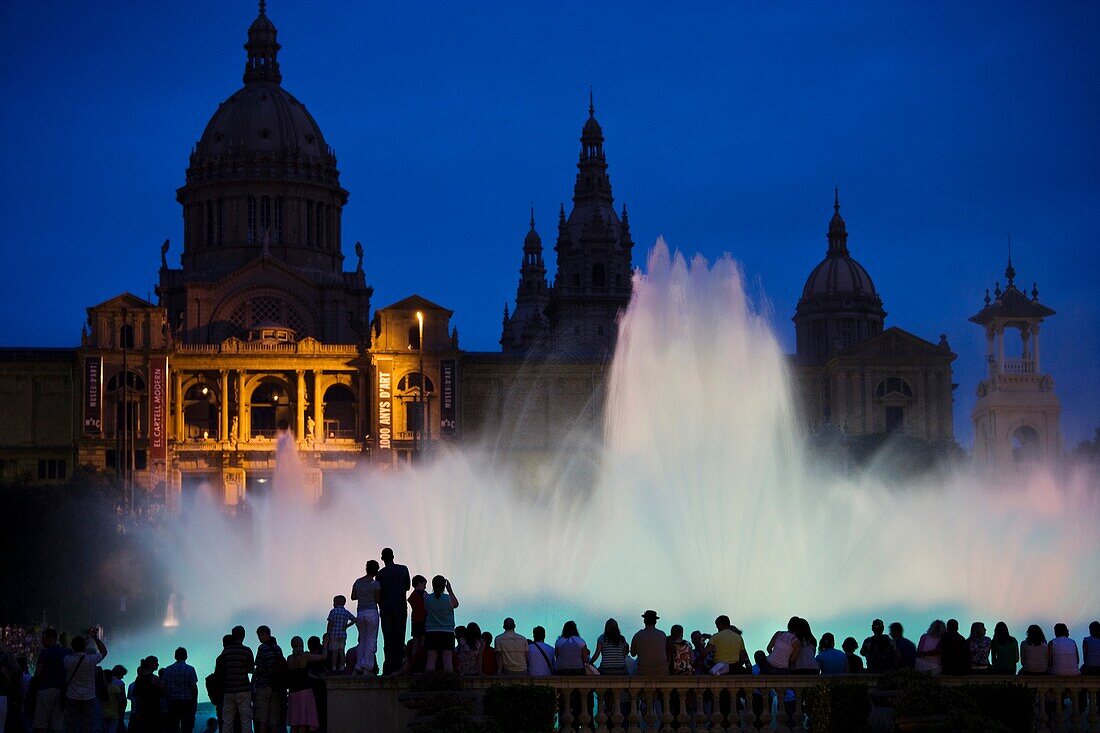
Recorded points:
(839,274)
(592,128)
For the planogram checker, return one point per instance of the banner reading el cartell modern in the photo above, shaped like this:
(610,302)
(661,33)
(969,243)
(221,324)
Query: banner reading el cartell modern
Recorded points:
(158,419)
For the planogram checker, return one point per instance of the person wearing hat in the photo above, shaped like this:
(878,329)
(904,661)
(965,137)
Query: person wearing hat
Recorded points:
(650,647)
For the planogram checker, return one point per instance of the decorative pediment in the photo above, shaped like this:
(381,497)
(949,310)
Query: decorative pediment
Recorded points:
(897,343)
(309,345)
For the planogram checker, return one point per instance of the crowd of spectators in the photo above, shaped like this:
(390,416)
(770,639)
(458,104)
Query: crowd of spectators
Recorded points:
(266,690)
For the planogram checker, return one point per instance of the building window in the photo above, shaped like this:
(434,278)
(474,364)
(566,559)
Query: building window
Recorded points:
(50,469)
(251,236)
(209,207)
(1026,446)
(893,385)
(576,279)
(321,228)
(278,236)
(599,277)
(847,333)
(126,336)
(310,228)
(895,419)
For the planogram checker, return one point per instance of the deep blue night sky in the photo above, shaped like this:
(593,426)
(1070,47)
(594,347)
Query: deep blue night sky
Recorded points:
(947,127)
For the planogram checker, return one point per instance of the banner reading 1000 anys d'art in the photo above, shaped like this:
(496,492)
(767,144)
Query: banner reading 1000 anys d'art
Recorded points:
(385,406)
(93,395)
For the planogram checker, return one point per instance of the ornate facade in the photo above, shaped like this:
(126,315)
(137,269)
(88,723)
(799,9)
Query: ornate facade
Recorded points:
(261,331)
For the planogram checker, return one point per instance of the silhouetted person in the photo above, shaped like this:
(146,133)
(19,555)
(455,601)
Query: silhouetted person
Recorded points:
(907,650)
(181,687)
(50,676)
(855,664)
(235,664)
(80,669)
(879,650)
(831,660)
(267,708)
(394,583)
(956,650)
(1090,646)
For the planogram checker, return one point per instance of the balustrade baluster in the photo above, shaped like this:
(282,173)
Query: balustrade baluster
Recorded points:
(765,720)
(617,716)
(1077,709)
(1094,713)
(747,718)
(717,719)
(602,710)
(566,716)
(682,717)
(1059,709)
(633,718)
(700,716)
(588,696)
(666,711)
(797,724)
(1041,719)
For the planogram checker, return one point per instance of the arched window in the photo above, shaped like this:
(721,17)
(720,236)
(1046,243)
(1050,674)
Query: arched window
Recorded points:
(200,412)
(1026,447)
(411,383)
(340,413)
(134,382)
(599,276)
(893,386)
(126,336)
(271,410)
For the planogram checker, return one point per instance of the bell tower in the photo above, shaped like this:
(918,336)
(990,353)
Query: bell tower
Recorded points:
(1017,417)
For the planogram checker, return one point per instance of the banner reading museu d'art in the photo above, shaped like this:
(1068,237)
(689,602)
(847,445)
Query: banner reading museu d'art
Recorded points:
(93,395)
(448,375)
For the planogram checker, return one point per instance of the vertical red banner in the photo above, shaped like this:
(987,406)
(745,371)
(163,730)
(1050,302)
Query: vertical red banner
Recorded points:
(448,375)
(158,415)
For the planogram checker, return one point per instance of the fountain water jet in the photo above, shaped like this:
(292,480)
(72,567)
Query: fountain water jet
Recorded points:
(705,500)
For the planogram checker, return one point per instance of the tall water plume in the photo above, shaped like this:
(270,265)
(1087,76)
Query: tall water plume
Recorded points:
(704,500)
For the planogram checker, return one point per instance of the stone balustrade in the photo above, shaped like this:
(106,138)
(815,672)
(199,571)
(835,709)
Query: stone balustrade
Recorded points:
(694,704)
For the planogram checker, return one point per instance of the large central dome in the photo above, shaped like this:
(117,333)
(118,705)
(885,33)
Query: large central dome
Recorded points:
(262,131)
(262,181)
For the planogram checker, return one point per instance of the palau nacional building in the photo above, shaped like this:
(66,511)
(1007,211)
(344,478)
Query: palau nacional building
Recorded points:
(264,326)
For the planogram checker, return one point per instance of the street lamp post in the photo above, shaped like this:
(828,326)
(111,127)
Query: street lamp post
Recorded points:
(420,396)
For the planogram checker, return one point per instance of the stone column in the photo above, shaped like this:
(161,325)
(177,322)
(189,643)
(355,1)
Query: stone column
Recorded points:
(318,407)
(300,432)
(177,406)
(1001,349)
(363,423)
(1035,348)
(244,423)
(223,405)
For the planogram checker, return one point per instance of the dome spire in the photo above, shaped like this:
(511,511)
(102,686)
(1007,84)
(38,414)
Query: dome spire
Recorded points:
(1010,271)
(838,232)
(263,50)
(591,104)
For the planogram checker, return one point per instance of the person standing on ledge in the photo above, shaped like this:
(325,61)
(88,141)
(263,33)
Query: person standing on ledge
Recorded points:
(393,583)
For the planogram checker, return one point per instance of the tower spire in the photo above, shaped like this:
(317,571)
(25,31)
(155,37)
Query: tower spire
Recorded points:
(838,232)
(591,104)
(1010,271)
(262,63)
